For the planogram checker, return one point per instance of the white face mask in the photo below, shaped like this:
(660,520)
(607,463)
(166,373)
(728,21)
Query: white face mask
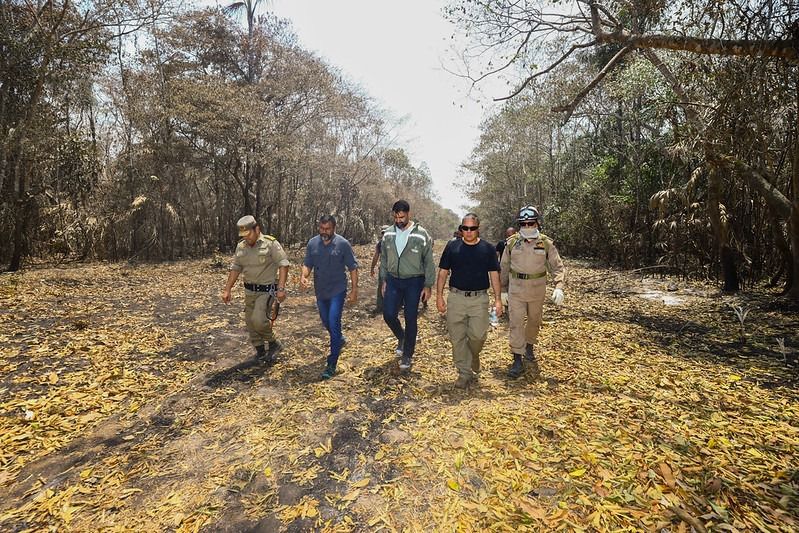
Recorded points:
(529,233)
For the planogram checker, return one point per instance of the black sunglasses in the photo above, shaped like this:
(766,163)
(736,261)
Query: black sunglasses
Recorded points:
(469,228)
(528,223)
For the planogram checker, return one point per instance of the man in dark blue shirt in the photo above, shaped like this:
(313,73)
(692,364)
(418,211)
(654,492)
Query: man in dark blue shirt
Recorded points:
(474,266)
(330,255)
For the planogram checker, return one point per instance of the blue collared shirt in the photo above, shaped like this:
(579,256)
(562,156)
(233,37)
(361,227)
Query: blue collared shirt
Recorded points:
(330,264)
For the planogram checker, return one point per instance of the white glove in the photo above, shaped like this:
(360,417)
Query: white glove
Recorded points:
(557,296)
(504,299)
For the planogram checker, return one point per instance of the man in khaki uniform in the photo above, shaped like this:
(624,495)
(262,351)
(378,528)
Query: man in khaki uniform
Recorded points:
(261,259)
(523,272)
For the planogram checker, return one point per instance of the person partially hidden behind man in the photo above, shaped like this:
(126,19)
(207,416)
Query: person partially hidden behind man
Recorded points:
(260,259)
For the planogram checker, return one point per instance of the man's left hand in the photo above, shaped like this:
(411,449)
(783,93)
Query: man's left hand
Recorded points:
(352,297)
(280,295)
(426,294)
(498,307)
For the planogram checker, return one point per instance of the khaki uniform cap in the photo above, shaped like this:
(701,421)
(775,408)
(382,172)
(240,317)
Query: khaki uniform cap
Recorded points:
(245,224)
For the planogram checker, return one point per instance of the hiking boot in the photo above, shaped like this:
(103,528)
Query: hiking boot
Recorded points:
(260,352)
(462,382)
(529,356)
(398,351)
(529,352)
(343,341)
(274,347)
(535,372)
(329,372)
(405,363)
(517,368)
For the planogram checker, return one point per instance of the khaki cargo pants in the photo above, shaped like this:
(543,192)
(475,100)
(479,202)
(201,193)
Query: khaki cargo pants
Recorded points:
(467,324)
(255,315)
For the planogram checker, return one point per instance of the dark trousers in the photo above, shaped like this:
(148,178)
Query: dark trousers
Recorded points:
(330,312)
(398,291)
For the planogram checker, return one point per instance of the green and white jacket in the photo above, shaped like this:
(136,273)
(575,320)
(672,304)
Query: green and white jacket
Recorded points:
(416,259)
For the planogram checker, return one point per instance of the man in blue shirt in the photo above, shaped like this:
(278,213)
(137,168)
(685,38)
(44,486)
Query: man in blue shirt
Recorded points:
(330,255)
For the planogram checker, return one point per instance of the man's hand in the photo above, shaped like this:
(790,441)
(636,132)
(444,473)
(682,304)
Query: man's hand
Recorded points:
(498,307)
(304,282)
(226,295)
(280,295)
(352,297)
(426,294)
(441,304)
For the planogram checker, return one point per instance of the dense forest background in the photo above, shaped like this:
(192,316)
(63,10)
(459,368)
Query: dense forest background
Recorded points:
(650,134)
(141,130)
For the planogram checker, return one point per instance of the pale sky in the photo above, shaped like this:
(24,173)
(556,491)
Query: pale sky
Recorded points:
(395,51)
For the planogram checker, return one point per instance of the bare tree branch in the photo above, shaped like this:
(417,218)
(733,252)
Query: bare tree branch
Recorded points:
(783,48)
(560,60)
(571,106)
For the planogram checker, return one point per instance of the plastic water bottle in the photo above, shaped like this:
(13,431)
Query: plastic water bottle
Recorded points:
(492,317)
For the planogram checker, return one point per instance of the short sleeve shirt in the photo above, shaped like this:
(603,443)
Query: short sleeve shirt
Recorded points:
(259,263)
(469,264)
(330,264)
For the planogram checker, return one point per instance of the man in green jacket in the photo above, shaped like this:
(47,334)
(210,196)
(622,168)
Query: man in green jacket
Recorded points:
(406,265)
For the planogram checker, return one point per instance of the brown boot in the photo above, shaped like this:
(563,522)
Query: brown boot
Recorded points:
(476,364)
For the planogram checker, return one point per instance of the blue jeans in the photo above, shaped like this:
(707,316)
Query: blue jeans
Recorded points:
(330,312)
(410,291)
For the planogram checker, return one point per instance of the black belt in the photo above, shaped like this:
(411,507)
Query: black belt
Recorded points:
(468,293)
(260,288)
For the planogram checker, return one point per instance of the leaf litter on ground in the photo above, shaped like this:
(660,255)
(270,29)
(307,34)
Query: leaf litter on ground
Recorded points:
(130,400)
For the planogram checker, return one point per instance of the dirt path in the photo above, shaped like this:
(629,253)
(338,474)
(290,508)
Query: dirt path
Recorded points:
(130,401)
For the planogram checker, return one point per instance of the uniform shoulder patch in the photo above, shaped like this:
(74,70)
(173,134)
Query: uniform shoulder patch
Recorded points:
(269,237)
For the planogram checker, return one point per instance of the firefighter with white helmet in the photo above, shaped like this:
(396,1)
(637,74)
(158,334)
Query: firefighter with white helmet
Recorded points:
(526,259)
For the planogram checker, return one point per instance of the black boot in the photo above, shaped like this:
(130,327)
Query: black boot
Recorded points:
(274,347)
(517,367)
(529,355)
(529,352)
(260,352)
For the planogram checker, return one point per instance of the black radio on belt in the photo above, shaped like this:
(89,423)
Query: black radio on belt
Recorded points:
(260,288)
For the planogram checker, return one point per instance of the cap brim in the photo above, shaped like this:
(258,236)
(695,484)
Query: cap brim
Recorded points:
(243,232)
